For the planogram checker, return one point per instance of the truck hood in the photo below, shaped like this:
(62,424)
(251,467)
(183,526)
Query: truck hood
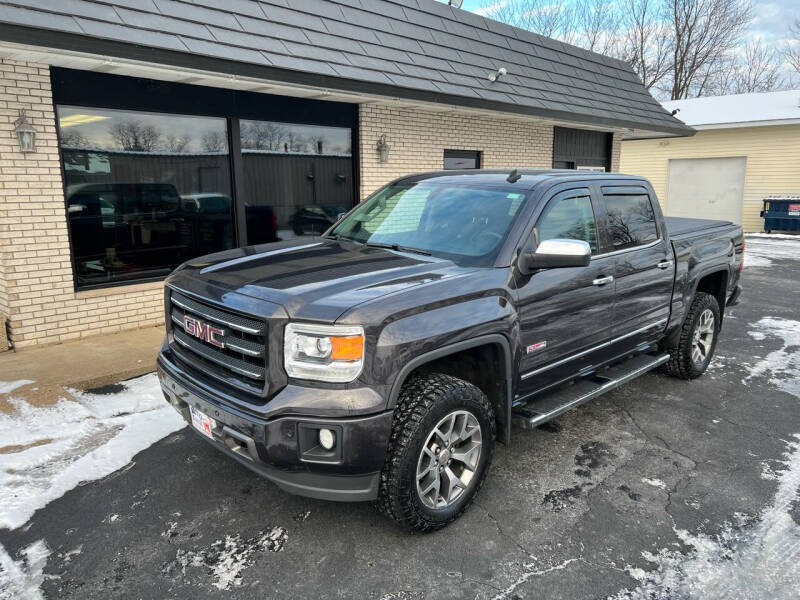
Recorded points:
(314,278)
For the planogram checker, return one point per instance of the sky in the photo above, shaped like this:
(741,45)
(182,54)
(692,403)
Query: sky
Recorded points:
(772,17)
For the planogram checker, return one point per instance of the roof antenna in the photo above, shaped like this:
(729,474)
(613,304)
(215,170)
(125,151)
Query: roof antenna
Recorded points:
(514,176)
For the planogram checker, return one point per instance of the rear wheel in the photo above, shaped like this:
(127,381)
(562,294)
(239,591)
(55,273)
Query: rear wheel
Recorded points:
(439,452)
(698,339)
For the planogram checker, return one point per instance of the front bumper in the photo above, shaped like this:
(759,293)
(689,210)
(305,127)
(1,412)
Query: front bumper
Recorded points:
(280,449)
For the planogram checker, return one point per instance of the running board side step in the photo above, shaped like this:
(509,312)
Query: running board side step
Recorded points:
(547,407)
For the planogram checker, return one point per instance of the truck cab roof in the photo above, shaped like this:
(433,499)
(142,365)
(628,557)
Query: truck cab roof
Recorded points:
(527,178)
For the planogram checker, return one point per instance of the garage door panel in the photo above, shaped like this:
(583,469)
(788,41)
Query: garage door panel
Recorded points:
(706,188)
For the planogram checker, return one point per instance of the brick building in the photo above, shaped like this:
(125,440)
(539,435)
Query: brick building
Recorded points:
(167,129)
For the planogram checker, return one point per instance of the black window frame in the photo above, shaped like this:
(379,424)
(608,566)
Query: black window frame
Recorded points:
(120,92)
(476,154)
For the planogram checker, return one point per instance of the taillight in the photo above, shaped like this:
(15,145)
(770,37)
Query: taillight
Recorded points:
(274,222)
(741,263)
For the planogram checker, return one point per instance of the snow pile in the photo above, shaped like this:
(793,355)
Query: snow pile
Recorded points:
(226,559)
(752,557)
(76,441)
(782,365)
(760,251)
(21,579)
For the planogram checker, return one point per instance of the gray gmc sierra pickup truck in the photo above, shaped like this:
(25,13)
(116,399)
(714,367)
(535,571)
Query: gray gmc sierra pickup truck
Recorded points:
(382,360)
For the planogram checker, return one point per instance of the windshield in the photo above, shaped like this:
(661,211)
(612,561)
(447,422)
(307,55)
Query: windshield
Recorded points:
(461,222)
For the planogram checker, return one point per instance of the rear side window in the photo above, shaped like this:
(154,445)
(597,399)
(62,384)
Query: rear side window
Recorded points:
(631,220)
(571,219)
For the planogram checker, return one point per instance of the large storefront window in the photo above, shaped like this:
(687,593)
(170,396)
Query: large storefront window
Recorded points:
(297,178)
(144,191)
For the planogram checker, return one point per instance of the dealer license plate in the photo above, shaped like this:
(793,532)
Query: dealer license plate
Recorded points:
(202,422)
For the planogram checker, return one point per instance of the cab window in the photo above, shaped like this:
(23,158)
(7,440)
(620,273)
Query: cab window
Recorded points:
(631,220)
(569,218)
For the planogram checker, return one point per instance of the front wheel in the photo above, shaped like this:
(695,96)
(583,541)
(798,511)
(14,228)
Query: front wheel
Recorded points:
(439,452)
(690,357)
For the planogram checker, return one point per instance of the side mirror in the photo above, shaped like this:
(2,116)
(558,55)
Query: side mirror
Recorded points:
(553,254)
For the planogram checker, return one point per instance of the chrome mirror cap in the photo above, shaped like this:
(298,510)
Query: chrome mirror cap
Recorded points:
(554,254)
(564,247)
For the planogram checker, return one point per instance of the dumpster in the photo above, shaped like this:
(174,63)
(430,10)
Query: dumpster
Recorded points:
(781,213)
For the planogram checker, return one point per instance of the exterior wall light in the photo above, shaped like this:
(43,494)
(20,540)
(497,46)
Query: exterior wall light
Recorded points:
(383,149)
(26,134)
(497,74)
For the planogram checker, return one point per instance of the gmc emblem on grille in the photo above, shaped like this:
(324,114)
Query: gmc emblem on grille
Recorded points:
(204,331)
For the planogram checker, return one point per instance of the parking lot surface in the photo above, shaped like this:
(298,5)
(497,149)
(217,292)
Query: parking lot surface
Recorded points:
(660,489)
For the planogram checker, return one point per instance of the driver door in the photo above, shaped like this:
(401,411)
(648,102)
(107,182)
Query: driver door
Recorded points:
(565,313)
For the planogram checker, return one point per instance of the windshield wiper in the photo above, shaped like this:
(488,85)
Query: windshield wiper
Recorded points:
(397,247)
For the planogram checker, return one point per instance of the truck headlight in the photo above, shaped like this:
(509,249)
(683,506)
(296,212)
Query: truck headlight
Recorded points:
(323,352)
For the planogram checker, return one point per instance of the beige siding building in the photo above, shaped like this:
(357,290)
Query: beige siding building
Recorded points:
(747,148)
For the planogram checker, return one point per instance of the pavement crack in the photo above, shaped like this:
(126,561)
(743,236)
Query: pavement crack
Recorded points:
(501,532)
(651,437)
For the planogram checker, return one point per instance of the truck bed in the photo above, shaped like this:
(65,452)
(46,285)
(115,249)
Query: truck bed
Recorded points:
(683,226)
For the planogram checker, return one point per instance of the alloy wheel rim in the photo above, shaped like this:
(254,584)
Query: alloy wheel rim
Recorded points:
(449,459)
(703,337)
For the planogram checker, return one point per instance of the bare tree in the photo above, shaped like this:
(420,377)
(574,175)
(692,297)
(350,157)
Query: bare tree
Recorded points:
(263,135)
(213,141)
(597,24)
(646,44)
(758,69)
(703,33)
(177,144)
(295,142)
(73,139)
(792,50)
(548,18)
(135,136)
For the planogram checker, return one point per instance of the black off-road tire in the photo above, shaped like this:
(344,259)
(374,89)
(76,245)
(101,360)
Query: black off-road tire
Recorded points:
(680,362)
(424,400)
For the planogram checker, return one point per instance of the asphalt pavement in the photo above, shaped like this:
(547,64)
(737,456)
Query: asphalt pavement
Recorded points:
(652,490)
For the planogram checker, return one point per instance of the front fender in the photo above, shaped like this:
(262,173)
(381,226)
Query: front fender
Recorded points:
(414,340)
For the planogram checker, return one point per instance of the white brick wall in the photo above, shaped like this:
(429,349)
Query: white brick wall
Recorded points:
(36,284)
(419,138)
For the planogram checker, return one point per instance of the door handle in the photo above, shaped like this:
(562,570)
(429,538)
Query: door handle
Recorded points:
(603,280)
(664,264)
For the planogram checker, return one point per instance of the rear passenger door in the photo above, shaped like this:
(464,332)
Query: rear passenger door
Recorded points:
(643,269)
(565,313)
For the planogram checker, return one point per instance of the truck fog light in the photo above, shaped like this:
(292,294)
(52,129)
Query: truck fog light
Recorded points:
(327,439)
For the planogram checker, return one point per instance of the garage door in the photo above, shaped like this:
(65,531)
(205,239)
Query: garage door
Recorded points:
(706,188)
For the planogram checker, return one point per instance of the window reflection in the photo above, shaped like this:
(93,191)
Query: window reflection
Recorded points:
(297,178)
(572,219)
(145,191)
(631,220)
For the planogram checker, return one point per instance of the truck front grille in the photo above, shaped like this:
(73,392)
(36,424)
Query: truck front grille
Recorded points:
(241,361)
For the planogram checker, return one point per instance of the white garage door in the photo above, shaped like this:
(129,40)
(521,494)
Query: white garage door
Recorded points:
(706,188)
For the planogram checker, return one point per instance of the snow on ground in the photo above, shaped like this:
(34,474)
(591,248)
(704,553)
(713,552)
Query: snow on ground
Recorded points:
(762,249)
(655,483)
(6,387)
(21,579)
(224,560)
(782,365)
(52,450)
(752,557)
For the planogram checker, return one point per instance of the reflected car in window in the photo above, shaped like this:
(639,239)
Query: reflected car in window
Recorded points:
(313,220)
